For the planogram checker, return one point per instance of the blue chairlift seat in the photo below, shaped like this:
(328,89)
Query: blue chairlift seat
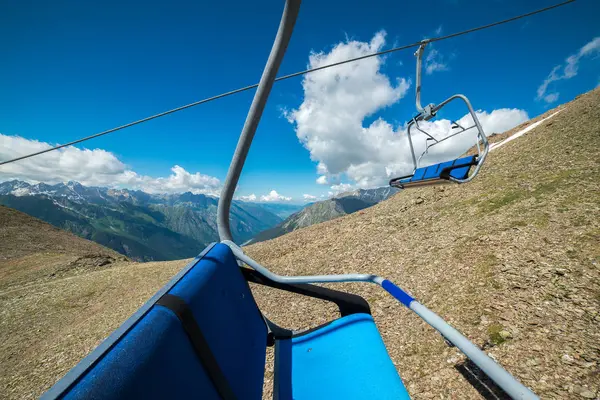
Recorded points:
(437,173)
(345,359)
(203,336)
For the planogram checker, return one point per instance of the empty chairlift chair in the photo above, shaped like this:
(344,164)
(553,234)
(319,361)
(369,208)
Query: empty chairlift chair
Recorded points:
(203,336)
(458,170)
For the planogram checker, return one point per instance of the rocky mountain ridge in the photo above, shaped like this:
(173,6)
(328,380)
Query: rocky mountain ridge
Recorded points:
(137,224)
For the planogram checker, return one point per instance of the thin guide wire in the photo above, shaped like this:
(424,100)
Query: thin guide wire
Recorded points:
(281,78)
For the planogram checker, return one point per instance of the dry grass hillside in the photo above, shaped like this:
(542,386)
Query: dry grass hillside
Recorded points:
(510,259)
(32,250)
(60,295)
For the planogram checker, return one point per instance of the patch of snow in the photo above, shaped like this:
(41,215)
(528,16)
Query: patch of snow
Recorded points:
(77,195)
(21,191)
(69,208)
(496,145)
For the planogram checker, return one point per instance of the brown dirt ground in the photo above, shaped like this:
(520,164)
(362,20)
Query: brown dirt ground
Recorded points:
(511,260)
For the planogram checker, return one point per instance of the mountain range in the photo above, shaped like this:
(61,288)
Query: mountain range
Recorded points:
(321,211)
(137,224)
(511,259)
(147,227)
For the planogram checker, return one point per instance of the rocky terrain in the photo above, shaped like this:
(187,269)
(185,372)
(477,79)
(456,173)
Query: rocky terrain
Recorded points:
(510,259)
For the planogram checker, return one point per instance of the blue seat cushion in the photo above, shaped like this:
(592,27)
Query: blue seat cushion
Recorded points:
(155,358)
(345,359)
(434,172)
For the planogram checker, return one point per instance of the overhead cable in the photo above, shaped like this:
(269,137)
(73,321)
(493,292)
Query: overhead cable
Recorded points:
(281,78)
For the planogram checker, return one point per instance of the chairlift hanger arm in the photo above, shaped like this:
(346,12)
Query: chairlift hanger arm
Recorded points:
(427,112)
(284,34)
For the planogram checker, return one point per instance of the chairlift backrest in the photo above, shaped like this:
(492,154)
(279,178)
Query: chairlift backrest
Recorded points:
(161,354)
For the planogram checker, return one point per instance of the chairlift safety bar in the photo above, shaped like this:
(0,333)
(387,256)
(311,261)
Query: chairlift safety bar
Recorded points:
(493,370)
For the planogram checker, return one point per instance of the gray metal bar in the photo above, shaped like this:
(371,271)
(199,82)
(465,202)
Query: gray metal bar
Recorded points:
(284,33)
(427,112)
(419,55)
(412,149)
(237,251)
(493,370)
(498,374)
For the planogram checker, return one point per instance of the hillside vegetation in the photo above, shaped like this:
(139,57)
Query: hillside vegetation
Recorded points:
(142,226)
(60,295)
(33,251)
(510,259)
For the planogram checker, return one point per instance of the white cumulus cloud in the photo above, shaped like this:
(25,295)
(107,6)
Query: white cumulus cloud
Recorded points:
(330,121)
(179,181)
(309,197)
(273,196)
(93,168)
(341,188)
(250,197)
(434,61)
(567,70)
(322,180)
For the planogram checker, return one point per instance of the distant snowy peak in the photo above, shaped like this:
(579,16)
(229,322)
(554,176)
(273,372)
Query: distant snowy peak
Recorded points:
(78,193)
(22,191)
(371,195)
(72,190)
(16,188)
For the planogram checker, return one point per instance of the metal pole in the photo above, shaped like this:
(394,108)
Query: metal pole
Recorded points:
(284,33)
(419,55)
(491,368)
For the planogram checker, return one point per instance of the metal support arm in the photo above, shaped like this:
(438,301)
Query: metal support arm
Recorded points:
(427,112)
(284,33)
(492,369)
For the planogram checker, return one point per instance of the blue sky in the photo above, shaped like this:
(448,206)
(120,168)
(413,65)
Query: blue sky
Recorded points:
(72,68)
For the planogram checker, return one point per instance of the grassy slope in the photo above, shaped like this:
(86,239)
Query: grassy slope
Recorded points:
(516,250)
(32,250)
(133,230)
